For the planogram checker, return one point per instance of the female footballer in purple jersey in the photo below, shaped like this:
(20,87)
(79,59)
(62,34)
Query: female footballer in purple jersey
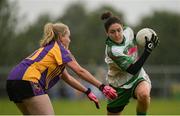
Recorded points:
(125,71)
(28,81)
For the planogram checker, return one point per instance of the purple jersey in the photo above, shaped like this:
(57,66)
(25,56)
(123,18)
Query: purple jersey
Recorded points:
(44,66)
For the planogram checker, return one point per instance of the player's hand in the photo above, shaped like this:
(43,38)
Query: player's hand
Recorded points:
(108,91)
(152,43)
(92,97)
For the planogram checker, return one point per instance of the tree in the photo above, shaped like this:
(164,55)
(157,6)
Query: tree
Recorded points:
(8,21)
(87,32)
(28,40)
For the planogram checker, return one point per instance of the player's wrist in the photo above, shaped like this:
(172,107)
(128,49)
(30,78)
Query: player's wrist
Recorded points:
(101,87)
(87,91)
(147,50)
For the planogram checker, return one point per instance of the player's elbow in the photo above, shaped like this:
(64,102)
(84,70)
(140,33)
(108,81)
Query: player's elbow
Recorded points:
(80,71)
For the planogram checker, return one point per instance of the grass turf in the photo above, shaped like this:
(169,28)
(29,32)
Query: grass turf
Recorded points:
(86,107)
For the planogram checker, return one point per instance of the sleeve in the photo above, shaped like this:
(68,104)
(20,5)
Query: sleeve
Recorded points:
(61,54)
(66,55)
(122,60)
(128,33)
(134,68)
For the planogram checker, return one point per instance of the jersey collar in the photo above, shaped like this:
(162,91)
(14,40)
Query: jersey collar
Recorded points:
(110,42)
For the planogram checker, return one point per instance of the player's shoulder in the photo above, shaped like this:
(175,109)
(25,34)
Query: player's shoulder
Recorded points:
(128,32)
(127,28)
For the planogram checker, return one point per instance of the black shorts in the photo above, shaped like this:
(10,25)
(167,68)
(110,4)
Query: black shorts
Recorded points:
(19,89)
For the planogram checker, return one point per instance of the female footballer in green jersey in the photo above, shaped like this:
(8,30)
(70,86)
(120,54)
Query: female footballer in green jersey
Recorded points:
(28,81)
(125,72)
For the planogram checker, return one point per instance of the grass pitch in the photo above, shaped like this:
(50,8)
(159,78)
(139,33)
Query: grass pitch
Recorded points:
(86,107)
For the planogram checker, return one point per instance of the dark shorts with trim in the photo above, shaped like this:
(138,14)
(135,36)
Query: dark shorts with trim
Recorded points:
(19,89)
(124,95)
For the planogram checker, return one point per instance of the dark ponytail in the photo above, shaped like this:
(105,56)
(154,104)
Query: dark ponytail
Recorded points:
(109,19)
(106,15)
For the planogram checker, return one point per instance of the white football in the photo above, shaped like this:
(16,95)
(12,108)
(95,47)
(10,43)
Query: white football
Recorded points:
(140,37)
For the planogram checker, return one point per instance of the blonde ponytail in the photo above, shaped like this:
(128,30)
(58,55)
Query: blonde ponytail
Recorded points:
(48,34)
(50,30)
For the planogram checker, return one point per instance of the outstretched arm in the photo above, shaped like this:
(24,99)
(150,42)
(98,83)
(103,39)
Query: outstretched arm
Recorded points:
(108,91)
(73,82)
(77,85)
(83,73)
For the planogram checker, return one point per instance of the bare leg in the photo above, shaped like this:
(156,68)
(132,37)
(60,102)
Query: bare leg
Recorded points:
(142,93)
(22,108)
(37,105)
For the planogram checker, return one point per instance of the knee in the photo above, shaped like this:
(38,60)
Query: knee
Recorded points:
(143,97)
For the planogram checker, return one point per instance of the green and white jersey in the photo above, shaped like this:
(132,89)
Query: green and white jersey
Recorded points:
(119,57)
